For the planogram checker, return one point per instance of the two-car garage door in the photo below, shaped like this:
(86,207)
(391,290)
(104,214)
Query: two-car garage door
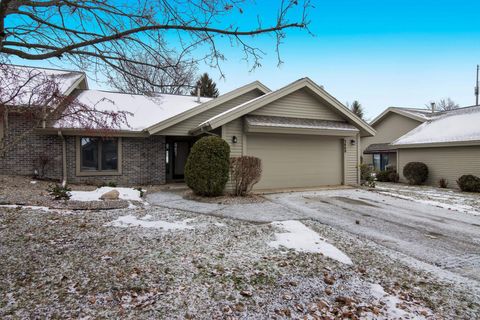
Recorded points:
(291,161)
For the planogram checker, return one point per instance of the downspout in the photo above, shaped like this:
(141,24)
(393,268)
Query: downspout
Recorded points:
(64,157)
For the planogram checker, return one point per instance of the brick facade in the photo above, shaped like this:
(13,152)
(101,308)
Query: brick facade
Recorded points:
(143,159)
(23,158)
(143,162)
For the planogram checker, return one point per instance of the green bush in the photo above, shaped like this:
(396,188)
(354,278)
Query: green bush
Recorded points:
(207,168)
(383,176)
(366,176)
(416,173)
(469,183)
(388,175)
(59,192)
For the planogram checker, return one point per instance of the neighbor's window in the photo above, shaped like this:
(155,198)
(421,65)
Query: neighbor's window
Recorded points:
(98,154)
(380,161)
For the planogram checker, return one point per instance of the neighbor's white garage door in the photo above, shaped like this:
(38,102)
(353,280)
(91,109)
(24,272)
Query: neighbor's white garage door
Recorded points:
(291,161)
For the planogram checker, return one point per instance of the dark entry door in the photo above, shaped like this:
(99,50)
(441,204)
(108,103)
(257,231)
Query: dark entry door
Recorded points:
(180,155)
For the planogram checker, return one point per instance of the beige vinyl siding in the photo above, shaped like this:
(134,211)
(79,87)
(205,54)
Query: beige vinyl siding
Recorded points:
(299,104)
(389,129)
(443,162)
(291,161)
(231,129)
(182,128)
(351,161)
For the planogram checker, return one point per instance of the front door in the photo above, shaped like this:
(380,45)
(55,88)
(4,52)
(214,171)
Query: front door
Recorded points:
(181,150)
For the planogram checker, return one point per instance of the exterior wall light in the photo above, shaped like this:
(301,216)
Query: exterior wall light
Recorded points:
(234,139)
(352,142)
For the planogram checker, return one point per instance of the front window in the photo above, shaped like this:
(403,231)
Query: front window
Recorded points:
(99,154)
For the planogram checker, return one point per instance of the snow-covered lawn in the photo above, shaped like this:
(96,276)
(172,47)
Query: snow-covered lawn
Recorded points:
(129,194)
(148,222)
(443,198)
(160,263)
(301,238)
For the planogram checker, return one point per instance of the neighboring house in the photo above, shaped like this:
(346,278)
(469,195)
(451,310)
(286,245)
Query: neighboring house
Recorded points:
(304,136)
(449,144)
(390,125)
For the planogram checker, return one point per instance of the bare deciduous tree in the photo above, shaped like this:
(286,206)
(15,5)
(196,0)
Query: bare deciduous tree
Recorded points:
(447,104)
(444,105)
(104,35)
(173,77)
(36,95)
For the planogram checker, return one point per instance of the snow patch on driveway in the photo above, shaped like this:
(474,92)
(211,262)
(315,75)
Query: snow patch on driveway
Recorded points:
(443,198)
(301,238)
(147,222)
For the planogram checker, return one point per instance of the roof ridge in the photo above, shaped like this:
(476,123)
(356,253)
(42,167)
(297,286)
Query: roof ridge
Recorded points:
(143,95)
(45,68)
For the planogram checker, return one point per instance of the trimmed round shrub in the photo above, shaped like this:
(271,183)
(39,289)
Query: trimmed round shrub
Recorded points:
(469,183)
(415,172)
(207,168)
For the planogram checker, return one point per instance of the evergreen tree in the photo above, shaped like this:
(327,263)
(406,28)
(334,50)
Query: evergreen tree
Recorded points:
(208,88)
(357,109)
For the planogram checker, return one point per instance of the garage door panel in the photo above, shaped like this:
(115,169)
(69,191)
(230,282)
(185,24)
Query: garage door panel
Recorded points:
(296,160)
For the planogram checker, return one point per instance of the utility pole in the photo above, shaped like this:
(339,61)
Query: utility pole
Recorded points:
(477,89)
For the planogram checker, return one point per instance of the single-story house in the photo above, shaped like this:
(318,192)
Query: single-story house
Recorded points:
(304,136)
(390,125)
(449,144)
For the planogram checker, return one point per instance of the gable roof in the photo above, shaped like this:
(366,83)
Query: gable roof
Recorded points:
(417,114)
(166,123)
(29,78)
(459,126)
(265,99)
(144,111)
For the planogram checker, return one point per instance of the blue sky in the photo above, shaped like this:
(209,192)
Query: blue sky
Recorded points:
(383,53)
(380,52)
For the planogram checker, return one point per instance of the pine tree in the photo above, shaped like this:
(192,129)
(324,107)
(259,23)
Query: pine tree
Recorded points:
(208,88)
(357,109)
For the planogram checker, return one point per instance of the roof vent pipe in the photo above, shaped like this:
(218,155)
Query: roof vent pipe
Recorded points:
(198,94)
(433,107)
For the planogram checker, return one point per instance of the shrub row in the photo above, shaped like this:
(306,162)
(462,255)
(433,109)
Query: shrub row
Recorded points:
(209,164)
(417,173)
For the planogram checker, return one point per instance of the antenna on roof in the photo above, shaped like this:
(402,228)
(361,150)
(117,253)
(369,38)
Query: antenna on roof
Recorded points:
(477,89)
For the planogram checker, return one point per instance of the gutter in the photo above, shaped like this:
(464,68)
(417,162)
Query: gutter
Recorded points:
(64,158)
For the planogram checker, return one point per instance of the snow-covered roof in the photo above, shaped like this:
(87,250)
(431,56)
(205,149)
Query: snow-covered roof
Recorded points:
(145,111)
(418,114)
(30,79)
(460,125)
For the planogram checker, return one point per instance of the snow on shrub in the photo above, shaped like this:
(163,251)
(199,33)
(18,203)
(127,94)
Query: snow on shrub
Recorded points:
(245,172)
(206,171)
(469,183)
(416,173)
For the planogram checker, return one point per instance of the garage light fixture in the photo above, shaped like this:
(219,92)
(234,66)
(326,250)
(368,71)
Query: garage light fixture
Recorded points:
(352,142)
(234,139)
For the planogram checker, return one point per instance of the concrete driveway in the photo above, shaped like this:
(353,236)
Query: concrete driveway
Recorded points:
(440,237)
(443,238)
